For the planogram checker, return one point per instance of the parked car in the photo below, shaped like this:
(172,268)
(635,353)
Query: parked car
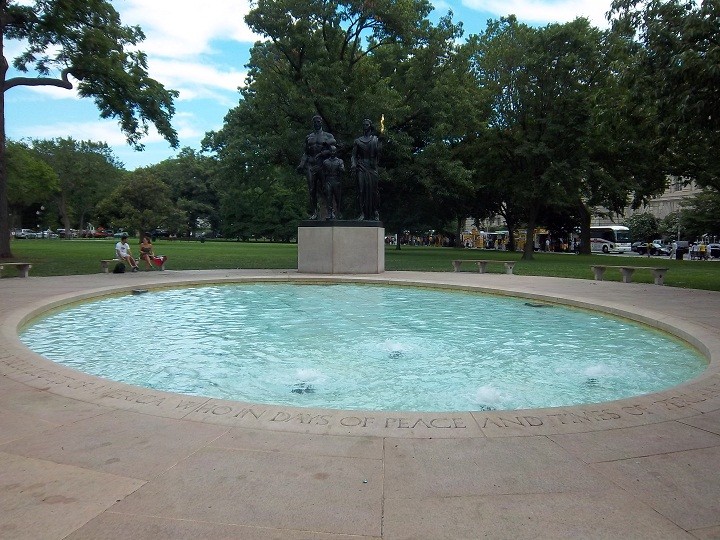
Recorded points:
(208,234)
(714,250)
(660,249)
(25,233)
(656,248)
(636,245)
(72,234)
(160,233)
(120,234)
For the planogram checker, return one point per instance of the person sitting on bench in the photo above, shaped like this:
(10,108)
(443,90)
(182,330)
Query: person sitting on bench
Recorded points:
(122,252)
(146,252)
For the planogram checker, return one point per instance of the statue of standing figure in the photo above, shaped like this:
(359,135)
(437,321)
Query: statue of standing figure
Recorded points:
(364,164)
(317,149)
(333,170)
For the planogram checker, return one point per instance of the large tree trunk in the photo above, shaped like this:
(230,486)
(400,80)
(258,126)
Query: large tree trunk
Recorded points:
(5,252)
(64,216)
(529,243)
(511,225)
(458,232)
(585,219)
(530,236)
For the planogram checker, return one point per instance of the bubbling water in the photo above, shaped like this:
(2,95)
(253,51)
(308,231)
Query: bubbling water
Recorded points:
(351,346)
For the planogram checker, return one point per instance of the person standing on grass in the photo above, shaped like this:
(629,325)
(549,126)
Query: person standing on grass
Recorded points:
(123,252)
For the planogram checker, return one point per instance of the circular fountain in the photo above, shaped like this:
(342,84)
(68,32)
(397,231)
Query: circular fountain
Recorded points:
(362,346)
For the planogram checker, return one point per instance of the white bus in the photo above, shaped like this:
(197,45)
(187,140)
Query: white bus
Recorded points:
(610,239)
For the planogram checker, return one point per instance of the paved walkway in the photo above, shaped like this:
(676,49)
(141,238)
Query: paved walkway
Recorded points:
(85,458)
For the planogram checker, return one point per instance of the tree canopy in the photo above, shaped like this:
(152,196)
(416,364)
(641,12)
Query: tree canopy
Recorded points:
(538,124)
(643,227)
(700,216)
(82,43)
(544,83)
(86,172)
(345,61)
(543,125)
(30,178)
(140,203)
(190,177)
(677,57)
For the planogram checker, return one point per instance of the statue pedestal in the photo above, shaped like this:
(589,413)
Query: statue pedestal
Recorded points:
(341,247)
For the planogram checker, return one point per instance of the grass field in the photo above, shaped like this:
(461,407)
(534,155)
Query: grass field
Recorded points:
(65,257)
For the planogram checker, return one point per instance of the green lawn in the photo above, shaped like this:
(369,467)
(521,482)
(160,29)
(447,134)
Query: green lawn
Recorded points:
(64,257)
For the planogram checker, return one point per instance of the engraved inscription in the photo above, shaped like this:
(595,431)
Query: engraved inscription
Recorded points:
(667,402)
(412,423)
(257,414)
(302,418)
(580,416)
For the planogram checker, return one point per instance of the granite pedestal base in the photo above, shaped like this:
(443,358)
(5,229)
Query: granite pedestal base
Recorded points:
(341,247)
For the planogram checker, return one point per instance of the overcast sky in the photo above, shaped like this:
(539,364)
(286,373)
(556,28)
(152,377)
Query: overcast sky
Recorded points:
(200,49)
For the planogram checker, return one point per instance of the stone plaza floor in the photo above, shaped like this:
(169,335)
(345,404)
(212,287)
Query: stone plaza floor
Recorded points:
(86,458)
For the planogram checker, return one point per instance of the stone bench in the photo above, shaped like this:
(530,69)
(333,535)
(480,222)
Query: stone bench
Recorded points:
(482,264)
(628,271)
(22,267)
(105,262)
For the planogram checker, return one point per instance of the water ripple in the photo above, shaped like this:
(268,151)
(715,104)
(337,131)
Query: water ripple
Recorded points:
(363,347)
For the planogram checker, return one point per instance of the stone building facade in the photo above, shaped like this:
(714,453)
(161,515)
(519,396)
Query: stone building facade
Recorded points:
(660,206)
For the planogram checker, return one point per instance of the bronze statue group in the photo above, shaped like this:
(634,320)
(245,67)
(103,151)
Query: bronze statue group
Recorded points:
(324,171)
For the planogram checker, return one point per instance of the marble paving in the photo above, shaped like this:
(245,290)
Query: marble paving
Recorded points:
(86,458)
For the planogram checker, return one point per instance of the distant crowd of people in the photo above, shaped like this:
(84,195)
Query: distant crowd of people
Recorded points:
(436,240)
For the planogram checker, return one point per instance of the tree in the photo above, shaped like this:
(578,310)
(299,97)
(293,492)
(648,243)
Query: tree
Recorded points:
(543,82)
(448,176)
(643,226)
(85,40)
(678,54)
(485,154)
(345,61)
(625,165)
(141,203)
(87,172)
(565,134)
(30,179)
(701,216)
(190,177)
(670,227)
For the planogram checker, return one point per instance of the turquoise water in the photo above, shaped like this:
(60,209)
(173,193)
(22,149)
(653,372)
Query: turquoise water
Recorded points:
(363,347)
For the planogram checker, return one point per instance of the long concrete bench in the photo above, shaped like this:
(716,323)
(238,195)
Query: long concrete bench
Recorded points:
(105,262)
(22,267)
(628,271)
(482,264)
